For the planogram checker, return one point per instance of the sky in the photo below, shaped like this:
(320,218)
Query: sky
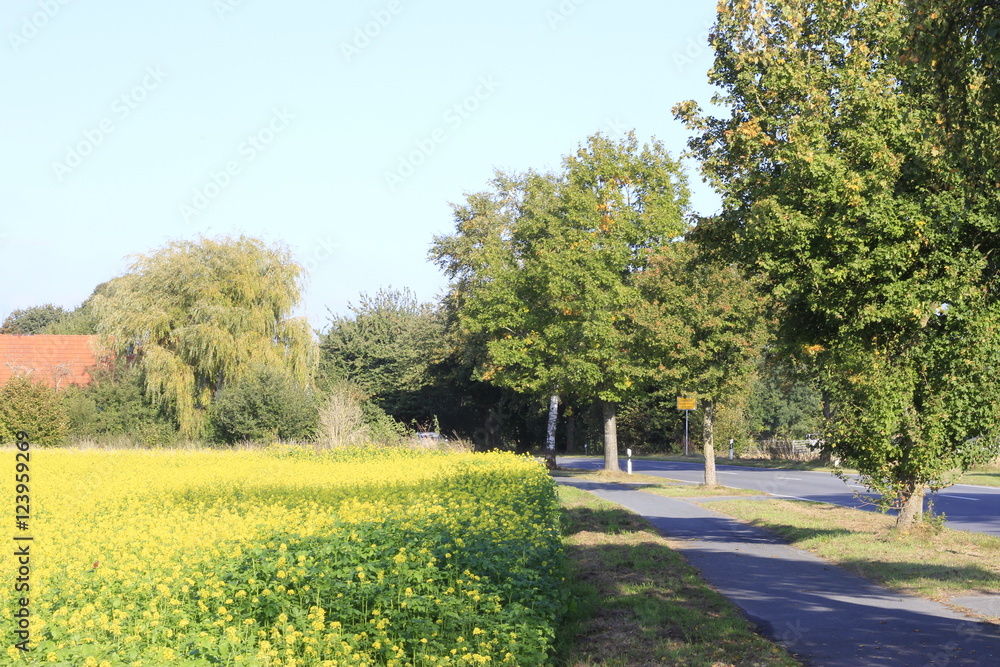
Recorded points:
(341,130)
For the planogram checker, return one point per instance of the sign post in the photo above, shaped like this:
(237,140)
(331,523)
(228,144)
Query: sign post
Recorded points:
(686,404)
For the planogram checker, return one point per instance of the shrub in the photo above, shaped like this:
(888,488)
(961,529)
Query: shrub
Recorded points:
(348,417)
(264,406)
(115,406)
(34,408)
(341,417)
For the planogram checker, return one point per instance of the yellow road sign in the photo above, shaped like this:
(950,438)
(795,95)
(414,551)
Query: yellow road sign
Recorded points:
(686,404)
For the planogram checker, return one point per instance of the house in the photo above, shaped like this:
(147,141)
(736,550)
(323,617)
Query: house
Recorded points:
(57,361)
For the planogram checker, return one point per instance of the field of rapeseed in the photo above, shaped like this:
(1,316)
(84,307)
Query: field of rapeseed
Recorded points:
(288,557)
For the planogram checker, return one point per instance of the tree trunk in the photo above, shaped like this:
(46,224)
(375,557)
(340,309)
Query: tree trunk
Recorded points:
(550,437)
(610,437)
(827,456)
(911,505)
(570,431)
(708,409)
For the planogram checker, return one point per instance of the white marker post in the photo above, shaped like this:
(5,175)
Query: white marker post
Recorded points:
(686,404)
(629,452)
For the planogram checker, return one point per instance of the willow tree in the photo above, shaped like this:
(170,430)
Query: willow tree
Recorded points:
(883,272)
(199,314)
(545,267)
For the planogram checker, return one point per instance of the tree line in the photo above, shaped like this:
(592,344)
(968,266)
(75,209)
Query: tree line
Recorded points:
(850,273)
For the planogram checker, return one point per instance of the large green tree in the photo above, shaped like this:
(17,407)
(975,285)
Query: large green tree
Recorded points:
(703,323)
(200,314)
(544,269)
(883,272)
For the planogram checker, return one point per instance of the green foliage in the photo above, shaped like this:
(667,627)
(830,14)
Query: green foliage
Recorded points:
(952,52)
(34,320)
(388,347)
(877,247)
(115,406)
(33,408)
(543,268)
(783,403)
(264,406)
(201,314)
(701,321)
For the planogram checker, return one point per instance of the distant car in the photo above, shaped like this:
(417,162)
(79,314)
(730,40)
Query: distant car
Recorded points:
(430,435)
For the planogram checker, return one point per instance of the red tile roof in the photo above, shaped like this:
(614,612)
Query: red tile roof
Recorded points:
(57,361)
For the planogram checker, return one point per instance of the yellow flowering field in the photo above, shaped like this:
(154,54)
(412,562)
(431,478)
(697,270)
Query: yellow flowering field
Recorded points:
(288,557)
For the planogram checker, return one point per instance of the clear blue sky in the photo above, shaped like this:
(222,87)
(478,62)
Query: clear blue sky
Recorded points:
(342,129)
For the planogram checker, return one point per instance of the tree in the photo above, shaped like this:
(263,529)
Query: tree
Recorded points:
(704,323)
(34,320)
(265,405)
(200,314)
(883,273)
(388,347)
(544,269)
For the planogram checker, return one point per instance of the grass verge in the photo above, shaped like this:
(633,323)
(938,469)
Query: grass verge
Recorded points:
(652,484)
(983,476)
(635,602)
(724,460)
(929,561)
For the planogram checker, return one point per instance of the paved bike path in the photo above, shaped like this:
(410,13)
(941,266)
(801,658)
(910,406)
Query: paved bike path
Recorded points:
(826,616)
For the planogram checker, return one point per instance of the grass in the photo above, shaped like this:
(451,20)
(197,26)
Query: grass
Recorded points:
(722,458)
(635,602)
(985,475)
(933,562)
(653,484)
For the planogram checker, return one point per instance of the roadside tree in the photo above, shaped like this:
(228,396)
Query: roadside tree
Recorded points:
(882,268)
(544,266)
(702,325)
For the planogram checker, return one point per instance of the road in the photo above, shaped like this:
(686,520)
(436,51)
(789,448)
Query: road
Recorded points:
(966,507)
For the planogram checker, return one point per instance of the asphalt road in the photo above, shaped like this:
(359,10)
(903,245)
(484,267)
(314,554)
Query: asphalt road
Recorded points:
(825,615)
(966,507)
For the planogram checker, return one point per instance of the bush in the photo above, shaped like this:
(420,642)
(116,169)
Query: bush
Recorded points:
(115,406)
(34,408)
(341,417)
(264,406)
(348,417)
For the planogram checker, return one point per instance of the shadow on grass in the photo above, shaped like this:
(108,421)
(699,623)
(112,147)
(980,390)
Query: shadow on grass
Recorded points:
(608,521)
(795,534)
(635,601)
